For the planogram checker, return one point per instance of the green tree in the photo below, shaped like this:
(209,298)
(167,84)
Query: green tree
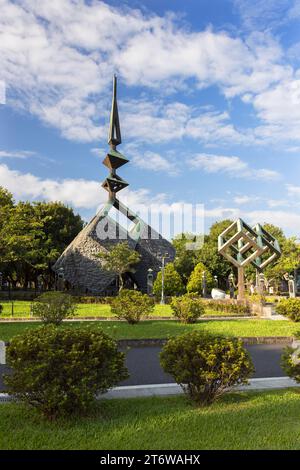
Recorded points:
(173,284)
(290,255)
(195,283)
(6,198)
(185,259)
(208,254)
(32,236)
(59,227)
(120,260)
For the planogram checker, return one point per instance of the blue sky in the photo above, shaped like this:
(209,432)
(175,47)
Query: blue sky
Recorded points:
(209,103)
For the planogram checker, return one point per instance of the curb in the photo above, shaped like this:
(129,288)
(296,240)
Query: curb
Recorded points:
(246,340)
(159,390)
(92,318)
(148,342)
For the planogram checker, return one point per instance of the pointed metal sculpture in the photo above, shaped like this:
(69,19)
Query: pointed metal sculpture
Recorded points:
(114,159)
(82,267)
(114,134)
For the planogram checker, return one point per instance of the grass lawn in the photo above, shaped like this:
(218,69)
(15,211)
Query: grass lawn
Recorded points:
(21,309)
(165,329)
(245,420)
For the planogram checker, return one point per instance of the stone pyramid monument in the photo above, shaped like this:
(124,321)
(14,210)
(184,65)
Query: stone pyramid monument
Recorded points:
(83,270)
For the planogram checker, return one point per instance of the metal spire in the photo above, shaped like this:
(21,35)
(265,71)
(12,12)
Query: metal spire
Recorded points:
(114,159)
(114,134)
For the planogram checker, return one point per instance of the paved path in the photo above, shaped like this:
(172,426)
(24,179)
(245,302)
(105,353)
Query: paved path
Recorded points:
(144,367)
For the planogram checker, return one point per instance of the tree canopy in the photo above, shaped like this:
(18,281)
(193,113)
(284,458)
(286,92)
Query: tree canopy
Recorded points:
(32,237)
(120,260)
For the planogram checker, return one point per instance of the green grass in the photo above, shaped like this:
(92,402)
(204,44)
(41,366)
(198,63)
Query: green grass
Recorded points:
(167,328)
(245,420)
(21,309)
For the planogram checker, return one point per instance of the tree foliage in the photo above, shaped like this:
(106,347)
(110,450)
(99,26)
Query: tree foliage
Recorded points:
(53,307)
(60,371)
(32,237)
(120,259)
(206,366)
(131,305)
(187,309)
(195,282)
(173,284)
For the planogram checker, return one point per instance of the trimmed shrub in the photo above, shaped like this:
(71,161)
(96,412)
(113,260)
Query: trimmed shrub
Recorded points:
(173,284)
(53,307)
(290,361)
(60,371)
(206,366)
(290,308)
(187,309)
(195,280)
(131,305)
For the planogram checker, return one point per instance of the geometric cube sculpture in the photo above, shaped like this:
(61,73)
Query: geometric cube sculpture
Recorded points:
(242,245)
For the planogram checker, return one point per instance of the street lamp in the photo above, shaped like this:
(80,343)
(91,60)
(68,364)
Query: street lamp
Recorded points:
(61,278)
(149,281)
(261,283)
(204,284)
(163,257)
(216,280)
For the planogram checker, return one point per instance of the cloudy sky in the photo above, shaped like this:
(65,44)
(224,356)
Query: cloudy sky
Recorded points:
(209,102)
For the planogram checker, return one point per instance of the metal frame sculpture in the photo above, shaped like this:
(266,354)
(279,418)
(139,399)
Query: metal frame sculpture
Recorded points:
(243,245)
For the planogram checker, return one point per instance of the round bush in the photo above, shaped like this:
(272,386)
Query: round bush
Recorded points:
(61,370)
(289,308)
(53,307)
(206,366)
(131,305)
(290,361)
(187,309)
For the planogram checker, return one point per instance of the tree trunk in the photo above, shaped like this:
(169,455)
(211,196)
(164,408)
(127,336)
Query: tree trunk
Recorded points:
(121,282)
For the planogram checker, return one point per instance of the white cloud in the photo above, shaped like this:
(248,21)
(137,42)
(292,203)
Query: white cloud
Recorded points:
(263,14)
(57,59)
(154,162)
(243,200)
(288,221)
(279,110)
(293,191)
(80,193)
(233,166)
(22,154)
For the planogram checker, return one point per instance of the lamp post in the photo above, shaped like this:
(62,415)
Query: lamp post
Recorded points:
(163,257)
(204,284)
(261,283)
(216,281)
(149,281)
(61,276)
(291,284)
